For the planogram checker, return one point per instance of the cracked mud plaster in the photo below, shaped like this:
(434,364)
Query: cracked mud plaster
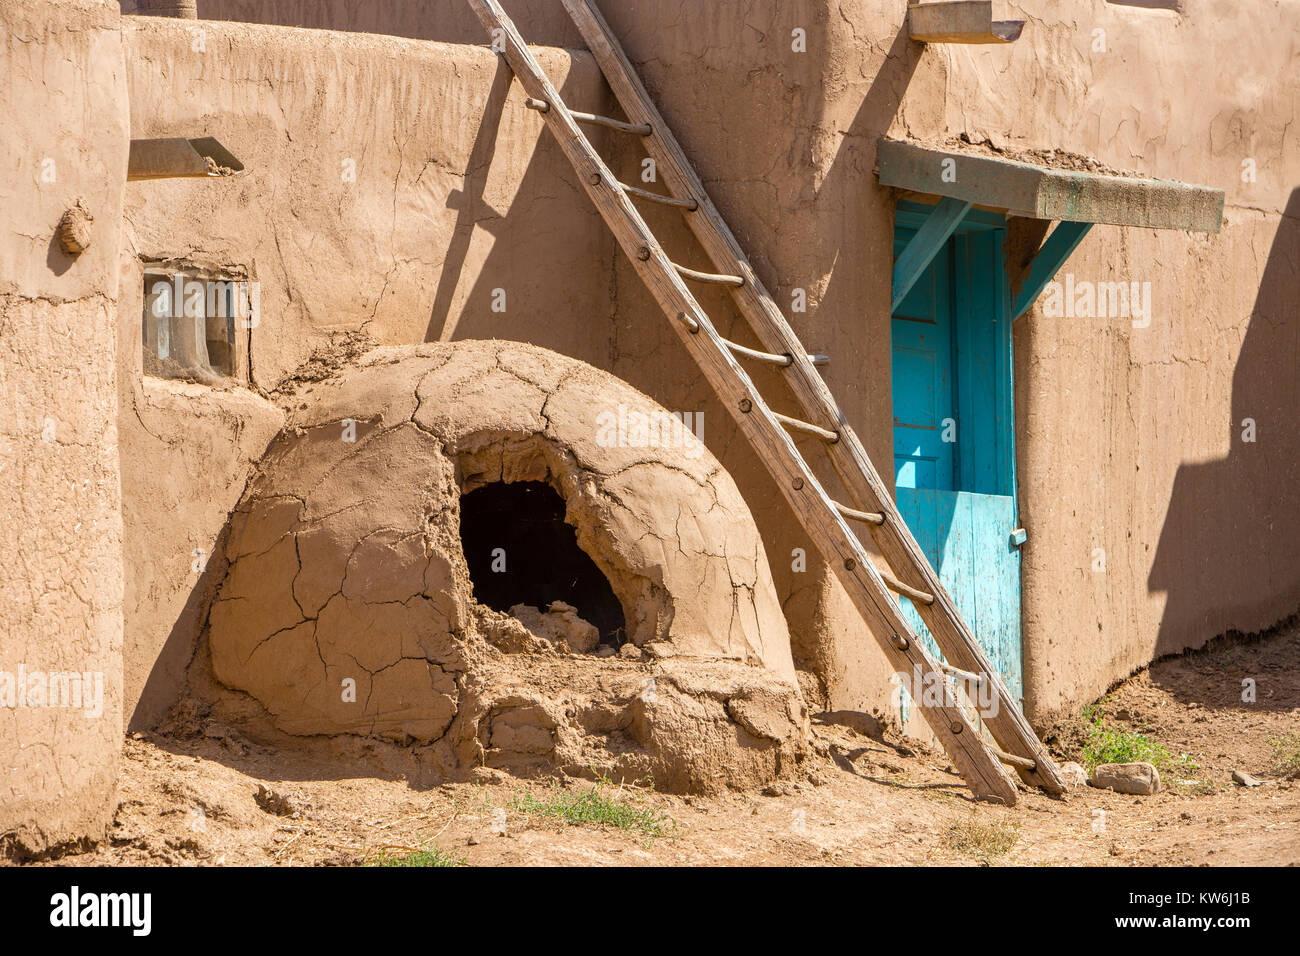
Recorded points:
(65,142)
(345,564)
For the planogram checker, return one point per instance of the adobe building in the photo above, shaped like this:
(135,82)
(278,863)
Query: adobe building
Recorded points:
(1054,273)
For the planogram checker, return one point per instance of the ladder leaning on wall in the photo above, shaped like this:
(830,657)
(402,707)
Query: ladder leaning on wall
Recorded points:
(826,521)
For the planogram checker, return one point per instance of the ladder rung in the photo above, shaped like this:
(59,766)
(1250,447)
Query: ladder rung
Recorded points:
(854,514)
(958,672)
(811,429)
(771,357)
(709,277)
(1024,763)
(898,587)
(690,204)
(640,129)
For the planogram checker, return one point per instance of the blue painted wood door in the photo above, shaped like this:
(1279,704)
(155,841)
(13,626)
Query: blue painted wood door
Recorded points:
(954,432)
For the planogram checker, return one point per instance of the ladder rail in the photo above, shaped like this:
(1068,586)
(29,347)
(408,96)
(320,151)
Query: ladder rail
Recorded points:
(848,456)
(840,546)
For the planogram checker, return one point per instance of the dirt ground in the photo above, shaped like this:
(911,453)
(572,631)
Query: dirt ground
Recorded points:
(863,801)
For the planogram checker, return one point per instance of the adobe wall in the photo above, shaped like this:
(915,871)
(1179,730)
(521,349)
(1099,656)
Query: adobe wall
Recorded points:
(1129,440)
(390,186)
(64,104)
(456,194)
(450,21)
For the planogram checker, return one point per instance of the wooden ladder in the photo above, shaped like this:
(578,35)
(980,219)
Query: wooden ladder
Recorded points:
(826,521)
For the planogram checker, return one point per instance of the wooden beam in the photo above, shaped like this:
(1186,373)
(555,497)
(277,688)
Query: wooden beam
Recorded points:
(925,245)
(175,157)
(1041,192)
(1063,240)
(960,21)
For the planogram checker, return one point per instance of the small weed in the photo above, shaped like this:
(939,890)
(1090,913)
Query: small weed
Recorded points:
(598,805)
(1286,754)
(1109,744)
(432,857)
(984,841)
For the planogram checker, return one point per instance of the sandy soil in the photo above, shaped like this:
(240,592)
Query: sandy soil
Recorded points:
(864,801)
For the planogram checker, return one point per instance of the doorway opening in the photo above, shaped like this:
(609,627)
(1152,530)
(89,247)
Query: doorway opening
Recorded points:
(954,429)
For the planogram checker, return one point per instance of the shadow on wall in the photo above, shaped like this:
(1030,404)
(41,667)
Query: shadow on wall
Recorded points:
(165,684)
(817,222)
(492,306)
(471,208)
(857,258)
(1229,551)
(831,227)
(861,256)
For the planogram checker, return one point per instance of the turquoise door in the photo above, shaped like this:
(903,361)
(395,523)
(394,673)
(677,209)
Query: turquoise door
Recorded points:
(954,455)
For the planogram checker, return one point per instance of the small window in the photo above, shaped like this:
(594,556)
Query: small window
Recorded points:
(192,323)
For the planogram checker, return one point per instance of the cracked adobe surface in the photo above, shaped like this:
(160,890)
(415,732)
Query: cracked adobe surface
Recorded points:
(345,560)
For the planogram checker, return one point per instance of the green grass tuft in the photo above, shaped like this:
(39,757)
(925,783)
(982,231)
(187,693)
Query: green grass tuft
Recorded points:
(1286,754)
(1109,744)
(433,857)
(597,805)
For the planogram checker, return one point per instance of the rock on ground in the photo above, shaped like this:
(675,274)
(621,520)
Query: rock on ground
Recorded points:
(560,622)
(1074,775)
(1139,778)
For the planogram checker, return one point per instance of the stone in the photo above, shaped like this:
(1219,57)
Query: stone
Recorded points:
(868,725)
(559,623)
(1244,779)
(274,803)
(1137,778)
(1074,775)
(75,230)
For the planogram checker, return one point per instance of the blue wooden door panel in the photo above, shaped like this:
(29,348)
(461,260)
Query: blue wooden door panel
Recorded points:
(921,358)
(995,584)
(967,539)
(952,360)
(983,354)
